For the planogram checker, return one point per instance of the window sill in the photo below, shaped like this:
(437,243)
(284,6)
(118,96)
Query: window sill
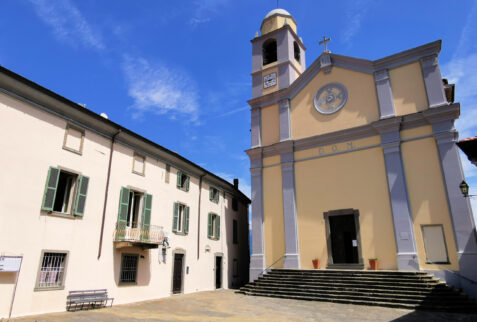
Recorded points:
(213,238)
(180,233)
(61,214)
(127,284)
(73,150)
(183,189)
(139,173)
(42,289)
(438,263)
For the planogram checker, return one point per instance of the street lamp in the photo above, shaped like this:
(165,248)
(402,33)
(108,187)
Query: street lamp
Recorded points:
(464,188)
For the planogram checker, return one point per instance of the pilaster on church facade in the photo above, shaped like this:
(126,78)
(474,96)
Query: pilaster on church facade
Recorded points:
(361,156)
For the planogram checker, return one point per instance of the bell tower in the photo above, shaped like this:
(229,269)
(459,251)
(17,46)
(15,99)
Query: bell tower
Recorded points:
(278,54)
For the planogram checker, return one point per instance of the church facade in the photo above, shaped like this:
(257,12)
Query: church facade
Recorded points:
(353,159)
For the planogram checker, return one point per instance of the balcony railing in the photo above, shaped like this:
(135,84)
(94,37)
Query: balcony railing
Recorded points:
(124,233)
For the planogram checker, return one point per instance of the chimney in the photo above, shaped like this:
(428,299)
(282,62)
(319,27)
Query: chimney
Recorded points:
(236,181)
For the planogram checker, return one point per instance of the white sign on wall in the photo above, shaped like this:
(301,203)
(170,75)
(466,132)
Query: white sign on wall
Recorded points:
(10,264)
(270,80)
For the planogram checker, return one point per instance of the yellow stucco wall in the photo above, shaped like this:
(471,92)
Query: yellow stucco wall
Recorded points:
(270,125)
(275,23)
(427,196)
(271,160)
(360,109)
(416,132)
(273,216)
(351,180)
(408,89)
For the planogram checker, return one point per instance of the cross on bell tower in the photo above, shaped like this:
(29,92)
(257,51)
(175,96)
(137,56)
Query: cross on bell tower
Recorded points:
(324,42)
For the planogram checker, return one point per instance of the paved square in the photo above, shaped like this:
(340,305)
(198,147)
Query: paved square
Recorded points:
(225,305)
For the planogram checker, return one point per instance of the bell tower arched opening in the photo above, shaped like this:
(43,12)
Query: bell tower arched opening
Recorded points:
(269,51)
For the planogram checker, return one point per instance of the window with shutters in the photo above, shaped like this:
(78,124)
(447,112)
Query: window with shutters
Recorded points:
(52,270)
(180,220)
(213,227)
(134,216)
(65,192)
(74,138)
(235,232)
(183,181)
(129,263)
(214,194)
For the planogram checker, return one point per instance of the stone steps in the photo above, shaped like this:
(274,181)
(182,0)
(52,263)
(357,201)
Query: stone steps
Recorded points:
(411,290)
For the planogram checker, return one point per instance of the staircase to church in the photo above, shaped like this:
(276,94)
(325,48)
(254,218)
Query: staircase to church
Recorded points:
(408,290)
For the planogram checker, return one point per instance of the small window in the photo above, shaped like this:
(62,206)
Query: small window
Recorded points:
(234,204)
(269,51)
(213,226)
(183,181)
(296,50)
(65,192)
(52,270)
(168,173)
(435,244)
(180,222)
(139,163)
(235,232)
(214,194)
(128,273)
(73,140)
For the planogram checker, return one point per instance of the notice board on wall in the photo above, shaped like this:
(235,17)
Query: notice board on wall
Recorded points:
(10,263)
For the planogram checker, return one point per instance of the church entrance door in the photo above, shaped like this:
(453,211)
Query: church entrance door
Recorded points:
(343,238)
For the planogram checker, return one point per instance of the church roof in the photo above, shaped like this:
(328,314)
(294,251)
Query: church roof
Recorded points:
(278,12)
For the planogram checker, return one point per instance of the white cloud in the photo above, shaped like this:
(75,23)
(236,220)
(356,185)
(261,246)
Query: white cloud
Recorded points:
(68,23)
(204,9)
(355,13)
(162,90)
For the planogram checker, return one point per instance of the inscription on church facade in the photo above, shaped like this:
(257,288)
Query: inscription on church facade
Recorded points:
(335,148)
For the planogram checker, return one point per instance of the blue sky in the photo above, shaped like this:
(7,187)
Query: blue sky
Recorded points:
(178,72)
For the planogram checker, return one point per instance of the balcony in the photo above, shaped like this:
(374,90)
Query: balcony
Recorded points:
(125,236)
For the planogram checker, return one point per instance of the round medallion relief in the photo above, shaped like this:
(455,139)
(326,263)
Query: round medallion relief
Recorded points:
(330,98)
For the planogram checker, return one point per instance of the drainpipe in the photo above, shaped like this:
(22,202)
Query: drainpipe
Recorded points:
(113,139)
(198,226)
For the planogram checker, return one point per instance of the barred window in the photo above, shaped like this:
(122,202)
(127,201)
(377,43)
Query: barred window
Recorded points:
(52,270)
(128,268)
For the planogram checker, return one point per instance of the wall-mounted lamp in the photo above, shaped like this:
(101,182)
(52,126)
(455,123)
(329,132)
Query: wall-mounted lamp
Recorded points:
(464,188)
(207,248)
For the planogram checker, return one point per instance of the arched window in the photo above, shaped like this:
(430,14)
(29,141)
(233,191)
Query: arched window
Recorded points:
(269,51)
(296,50)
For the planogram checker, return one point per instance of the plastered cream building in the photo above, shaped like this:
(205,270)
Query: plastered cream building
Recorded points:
(88,204)
(353,159)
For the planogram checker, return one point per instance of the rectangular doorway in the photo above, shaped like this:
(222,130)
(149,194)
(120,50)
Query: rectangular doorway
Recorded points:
(177,275)
(344,249)
(218,272)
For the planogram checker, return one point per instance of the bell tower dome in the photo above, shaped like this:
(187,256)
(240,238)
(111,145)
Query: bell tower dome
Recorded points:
(278,54)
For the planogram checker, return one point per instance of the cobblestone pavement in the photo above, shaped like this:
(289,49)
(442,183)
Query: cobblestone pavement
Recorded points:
(225,305)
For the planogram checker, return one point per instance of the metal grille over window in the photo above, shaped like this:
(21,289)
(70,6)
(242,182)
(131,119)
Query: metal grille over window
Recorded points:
(129,269)
(52,270)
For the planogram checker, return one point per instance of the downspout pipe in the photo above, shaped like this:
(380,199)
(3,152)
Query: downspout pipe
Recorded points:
(113,139)
(198,226)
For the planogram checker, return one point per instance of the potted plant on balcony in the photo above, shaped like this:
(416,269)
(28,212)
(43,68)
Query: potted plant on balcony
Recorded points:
(373,263)
(316,263)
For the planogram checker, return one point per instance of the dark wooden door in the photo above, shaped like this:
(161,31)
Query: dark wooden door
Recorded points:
(344,247)
(177,276)
(218,272)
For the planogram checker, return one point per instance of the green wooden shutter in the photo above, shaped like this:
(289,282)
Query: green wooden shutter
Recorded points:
(122,213)
(50,189)
(186,221)
(217,196)
(81,196)
(217,227)
(175,217)
(187,183)
(146,216)
(179,178)
(209,226)
(211,193)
